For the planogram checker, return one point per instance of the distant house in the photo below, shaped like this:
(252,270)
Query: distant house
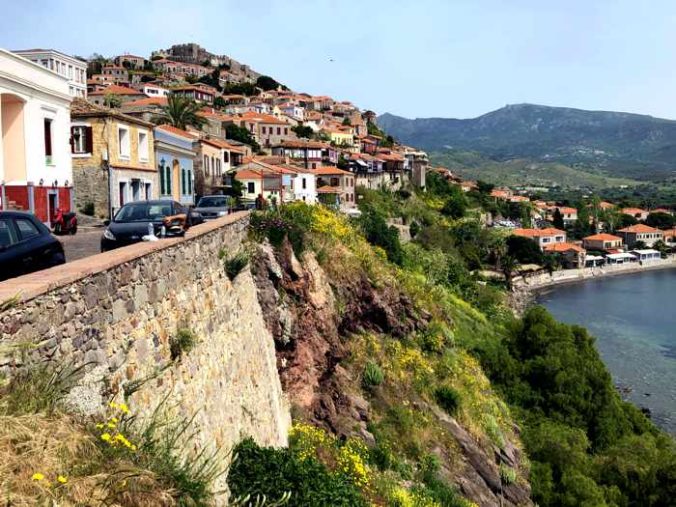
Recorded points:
(568,214)
(647,255)
(335,186)
(152,90)
(640,232)
(198,93)
(124,93)
(267,130)
(147,109)
(311,154)
(570,255)
(602,241)
(73,69)
(670,237)
(119,74)
(637,213)
(131,61)
(543,237)
(174,156)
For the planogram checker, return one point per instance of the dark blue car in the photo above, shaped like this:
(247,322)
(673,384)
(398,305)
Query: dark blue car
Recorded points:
(26,245)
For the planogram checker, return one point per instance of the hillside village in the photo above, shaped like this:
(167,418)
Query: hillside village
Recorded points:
(184,123)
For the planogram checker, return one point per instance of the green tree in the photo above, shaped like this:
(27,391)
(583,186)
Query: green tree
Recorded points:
(267,83)
(661,220)
(220,103)
(303,131)
(180,112)
(524,250)
(557,219)
(111,100)
(242,135)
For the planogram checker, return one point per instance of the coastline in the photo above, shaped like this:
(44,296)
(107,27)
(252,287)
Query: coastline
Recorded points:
(527,287)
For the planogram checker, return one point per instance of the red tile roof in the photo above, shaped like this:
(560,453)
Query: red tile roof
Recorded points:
(326,189)
(602,237)
(639,228)
(149,101)
(176,131)
(329,171)
(117,90)
(536,233)
(563,247)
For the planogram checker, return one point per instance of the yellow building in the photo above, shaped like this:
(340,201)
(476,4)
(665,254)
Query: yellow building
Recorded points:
(113,158)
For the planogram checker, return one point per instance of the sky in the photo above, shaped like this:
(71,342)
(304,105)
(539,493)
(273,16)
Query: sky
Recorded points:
(441,58)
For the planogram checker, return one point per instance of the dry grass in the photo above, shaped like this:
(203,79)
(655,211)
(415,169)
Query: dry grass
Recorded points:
(56,446)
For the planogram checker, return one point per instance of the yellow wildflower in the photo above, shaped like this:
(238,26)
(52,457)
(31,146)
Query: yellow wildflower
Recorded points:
(123,408)
(114,405)
(115,420)
(106,437)
(37,476)
(62,479)
(133,447)
(99,426)
(111,425)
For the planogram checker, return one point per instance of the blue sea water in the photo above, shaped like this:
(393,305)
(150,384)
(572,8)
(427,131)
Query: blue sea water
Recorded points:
(633,318)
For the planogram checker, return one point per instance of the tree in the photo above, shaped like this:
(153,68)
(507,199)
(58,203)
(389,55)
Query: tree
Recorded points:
(455,207)
(661,220)
(484,187)
(219,102)
(303,131)
(524,250)
(267,83)
(557,219)
(111,100)
(625,220)
(347,122)
(242,135)
(191,78)
(180,112)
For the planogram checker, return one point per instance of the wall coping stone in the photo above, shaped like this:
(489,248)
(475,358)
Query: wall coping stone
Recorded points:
(32,285)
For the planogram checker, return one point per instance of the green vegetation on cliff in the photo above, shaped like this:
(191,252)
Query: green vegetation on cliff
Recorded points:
(463,354)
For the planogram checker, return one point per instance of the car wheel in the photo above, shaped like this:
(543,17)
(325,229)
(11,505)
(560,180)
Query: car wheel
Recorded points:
(73,230)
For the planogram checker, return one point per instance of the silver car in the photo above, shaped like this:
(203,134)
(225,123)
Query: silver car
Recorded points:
(213,206)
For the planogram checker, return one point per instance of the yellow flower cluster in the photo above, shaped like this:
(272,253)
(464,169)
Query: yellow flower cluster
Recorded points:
(325,221)
(400,497)
(109,432)
(352,462)
(307,439)
(39,477)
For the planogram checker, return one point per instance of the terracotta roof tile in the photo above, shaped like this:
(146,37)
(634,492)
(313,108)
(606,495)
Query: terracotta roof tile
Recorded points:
(117,90)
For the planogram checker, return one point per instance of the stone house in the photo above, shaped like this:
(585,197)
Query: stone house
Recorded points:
(174,154)
(309,154)
(570,255)
(113,158)
(132,61)
(199,93)
(335,187)
(119,74)
(267,130)
(640,232)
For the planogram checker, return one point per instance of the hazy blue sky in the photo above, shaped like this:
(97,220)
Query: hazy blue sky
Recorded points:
(453,58)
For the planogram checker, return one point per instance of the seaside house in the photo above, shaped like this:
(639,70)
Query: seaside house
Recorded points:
(647,255)
(174,154)
(543,237)
(602,241)
(35,162)
(124,93)
(116,164)
(640,232)
(570,255)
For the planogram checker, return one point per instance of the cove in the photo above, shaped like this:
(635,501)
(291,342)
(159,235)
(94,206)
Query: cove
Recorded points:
(633,318)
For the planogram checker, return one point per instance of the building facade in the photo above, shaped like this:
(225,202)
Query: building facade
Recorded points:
(113,158)
(35,164)
(174,156)
(67,66)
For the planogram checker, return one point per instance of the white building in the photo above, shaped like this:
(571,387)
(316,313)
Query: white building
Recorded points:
(304,187)
(67,66)
(155,91)
(35,161)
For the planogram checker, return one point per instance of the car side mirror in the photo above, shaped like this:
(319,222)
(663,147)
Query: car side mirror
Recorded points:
(106,222)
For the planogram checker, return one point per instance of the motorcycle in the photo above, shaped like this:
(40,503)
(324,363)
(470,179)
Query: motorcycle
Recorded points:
(64,223)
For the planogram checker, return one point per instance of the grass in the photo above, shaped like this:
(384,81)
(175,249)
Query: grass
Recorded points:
(50,457)
(184,341)
(234,265)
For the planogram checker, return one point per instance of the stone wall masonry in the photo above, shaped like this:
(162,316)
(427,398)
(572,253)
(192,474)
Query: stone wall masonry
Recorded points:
(118,312)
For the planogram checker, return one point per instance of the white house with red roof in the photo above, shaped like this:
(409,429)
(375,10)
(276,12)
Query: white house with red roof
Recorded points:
(543,237)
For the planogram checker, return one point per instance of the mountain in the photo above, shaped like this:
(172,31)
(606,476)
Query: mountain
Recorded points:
(618,144)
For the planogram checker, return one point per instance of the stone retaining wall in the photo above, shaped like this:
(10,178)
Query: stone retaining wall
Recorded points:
(118,312)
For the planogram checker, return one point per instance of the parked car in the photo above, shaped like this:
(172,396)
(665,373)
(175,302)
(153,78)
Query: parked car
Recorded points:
(26,245)
(213,206)
(137,219)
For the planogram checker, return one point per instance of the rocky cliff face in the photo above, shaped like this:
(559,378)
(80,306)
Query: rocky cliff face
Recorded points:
(312,317)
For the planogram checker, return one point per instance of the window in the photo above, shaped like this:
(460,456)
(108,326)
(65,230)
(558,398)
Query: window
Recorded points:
(81,139)
(124,144)
(286,131)
(206,165)
(143,146)
(148,191)
(7,236)
(184,183)
(279,131)
(251,187)
(226,157)
(135,190)
(48,140)
(304,181)
(189,173)
(262,130)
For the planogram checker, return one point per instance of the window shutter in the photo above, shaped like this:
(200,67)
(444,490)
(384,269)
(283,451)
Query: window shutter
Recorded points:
(89,140)
(72,140)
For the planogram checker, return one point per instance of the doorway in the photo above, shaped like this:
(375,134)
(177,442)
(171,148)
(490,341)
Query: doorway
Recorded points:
(52,204)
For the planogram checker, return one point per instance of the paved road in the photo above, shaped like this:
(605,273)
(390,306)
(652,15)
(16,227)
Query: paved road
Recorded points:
(85,243)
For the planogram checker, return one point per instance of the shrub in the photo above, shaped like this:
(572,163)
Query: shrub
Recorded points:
(448,399)
(373,376)
(274,472)
(507,474)
(378,233)
(88,208)
(235,264)
(184,341)
(414,229)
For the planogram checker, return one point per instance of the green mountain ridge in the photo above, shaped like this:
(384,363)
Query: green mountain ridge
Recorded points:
(611,143)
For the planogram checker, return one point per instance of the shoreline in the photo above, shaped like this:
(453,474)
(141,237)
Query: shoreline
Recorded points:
(526,288)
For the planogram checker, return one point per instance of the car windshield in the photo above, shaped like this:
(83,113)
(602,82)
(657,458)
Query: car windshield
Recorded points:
(219,201)
(143,212)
